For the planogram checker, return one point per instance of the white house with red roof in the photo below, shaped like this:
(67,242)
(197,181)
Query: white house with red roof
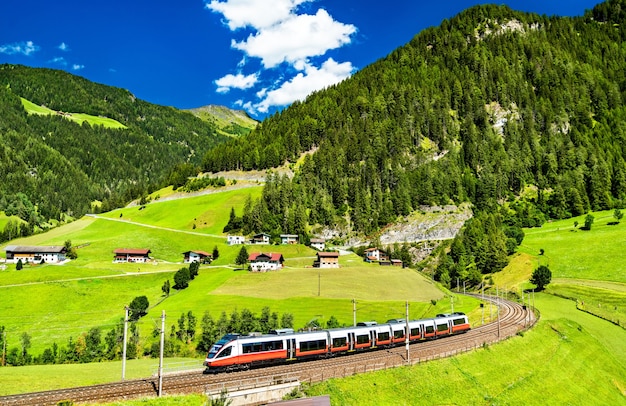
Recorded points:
(375,255)
(197,256)
(261,262)
(131,255)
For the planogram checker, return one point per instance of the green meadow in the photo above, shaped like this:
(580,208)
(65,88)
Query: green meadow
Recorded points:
(573,253)
(546,365)
(54,302)
(32,108)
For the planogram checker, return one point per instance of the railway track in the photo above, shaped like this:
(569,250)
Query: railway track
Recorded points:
(513,318)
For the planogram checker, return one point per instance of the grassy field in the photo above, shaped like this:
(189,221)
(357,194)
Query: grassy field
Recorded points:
(577,254)
(54,302)
(32,108)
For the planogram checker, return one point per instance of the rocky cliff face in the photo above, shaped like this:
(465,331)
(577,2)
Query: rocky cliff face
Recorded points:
(429,224)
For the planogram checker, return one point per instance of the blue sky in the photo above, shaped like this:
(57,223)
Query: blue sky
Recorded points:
(257,55)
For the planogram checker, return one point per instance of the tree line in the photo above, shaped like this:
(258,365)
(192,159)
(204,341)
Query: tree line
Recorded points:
(187,336)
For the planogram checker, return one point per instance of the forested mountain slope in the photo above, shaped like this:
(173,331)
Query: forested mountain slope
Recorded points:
(50,165)
(490,106)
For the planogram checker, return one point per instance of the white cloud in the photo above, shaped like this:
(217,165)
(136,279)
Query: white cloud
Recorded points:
(279,36)
(257,14)
(77,67)
(63,47)
(237,81)
(297,39)
(303,84)
(24,48)
(59,60)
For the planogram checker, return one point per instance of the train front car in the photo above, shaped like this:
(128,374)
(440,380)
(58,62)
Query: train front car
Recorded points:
(221,353)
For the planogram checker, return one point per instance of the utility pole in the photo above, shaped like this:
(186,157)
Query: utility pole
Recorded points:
(161,353)
(124,344)
(353,313)
(406,334)
(452,303)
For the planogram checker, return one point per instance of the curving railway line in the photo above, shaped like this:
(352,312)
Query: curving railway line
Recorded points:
(513,318)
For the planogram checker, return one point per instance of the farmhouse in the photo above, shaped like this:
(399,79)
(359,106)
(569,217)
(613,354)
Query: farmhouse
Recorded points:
(265,262)
(235,239)
(131,255)
(197,256)
(288,239)
(318,244)
(327,260)
(375,255)
(262,238)
(50,254)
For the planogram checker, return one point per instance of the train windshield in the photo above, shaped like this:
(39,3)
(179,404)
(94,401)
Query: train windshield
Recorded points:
(218,345)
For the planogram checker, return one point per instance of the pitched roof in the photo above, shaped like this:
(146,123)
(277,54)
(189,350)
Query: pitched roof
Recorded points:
(275,256)
(132,251)
(206,254)
(332,254)
(25,249)
(317,240)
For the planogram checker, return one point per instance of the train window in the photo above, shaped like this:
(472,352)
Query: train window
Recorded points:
(312,345)
(225,352)
(442,327)
(362,339)
(398,334)
(429,329)
(273,345)
(456,322)
(415,331)
(383,336)
(339,341)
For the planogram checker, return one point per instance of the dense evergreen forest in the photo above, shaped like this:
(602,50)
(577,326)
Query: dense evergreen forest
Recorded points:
(51,166)
(522,115)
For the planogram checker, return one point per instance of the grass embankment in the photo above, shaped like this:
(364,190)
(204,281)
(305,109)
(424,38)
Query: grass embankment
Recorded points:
(39,377)
(570,357)
(32,108)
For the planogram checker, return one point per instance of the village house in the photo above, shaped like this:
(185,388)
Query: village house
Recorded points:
(131,255)
(318,244)
(265,262)
(49,254)
(327,260)
(197,256)
(375,255)
(235,239)
(261,238)
(288,239)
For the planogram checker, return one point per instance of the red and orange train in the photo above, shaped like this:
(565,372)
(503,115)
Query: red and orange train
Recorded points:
(234,352)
